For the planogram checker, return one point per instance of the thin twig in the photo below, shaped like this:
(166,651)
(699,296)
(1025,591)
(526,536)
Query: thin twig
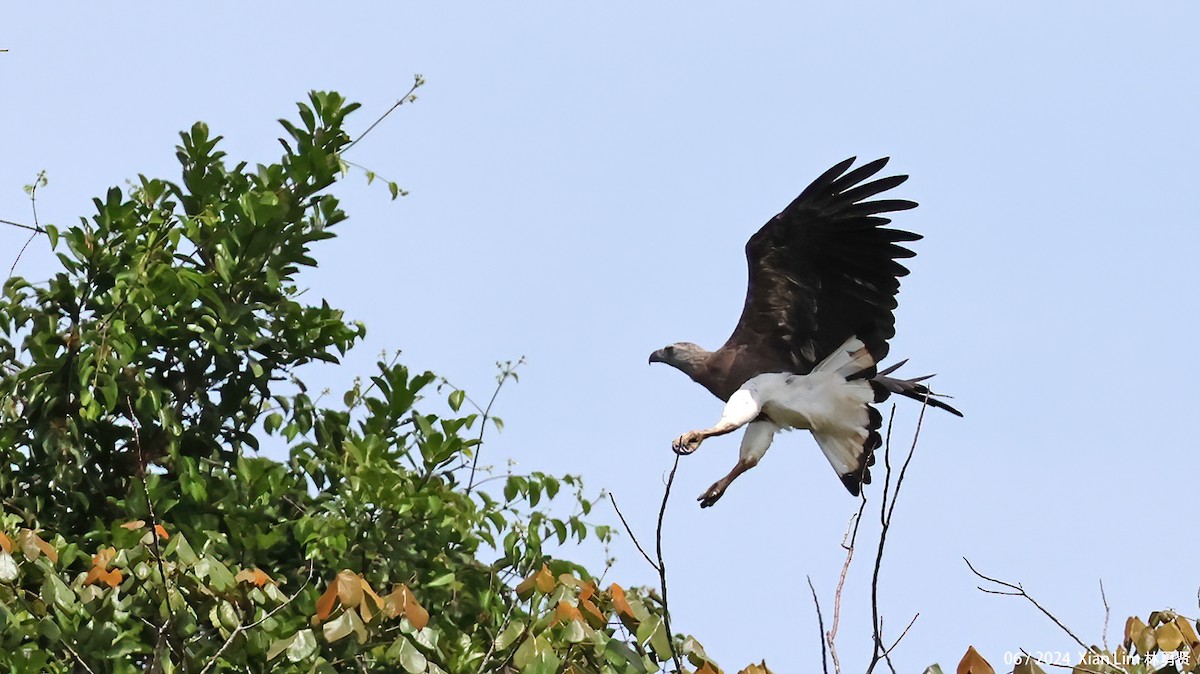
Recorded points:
(507,371)
(1015,590)
(78,658)
(820,626)
(629,530)
(37,226)
(662,568)
(848,545)
(887,508)
(1107,612)
(407,98)
(31,228)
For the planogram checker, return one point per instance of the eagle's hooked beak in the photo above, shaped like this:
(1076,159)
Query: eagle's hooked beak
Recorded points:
(658,356)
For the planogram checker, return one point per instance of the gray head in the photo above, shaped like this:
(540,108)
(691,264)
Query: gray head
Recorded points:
(683,356)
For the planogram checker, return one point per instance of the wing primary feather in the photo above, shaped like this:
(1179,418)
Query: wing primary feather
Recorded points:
(823,181)
(858,175)
(872,188)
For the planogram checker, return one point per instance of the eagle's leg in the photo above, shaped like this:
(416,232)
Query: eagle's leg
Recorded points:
(755,444)
(741,409)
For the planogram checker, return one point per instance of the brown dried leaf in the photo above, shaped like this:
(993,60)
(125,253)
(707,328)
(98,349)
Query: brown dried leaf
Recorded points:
(253,576)
(1188,632)
(111,578)
(707,668)
(366,588)
(33,546)
(621,606)
(591,613)
(760,668)
(349,588)
(526,587)
(544,580)
(564,612)
(325,603)
(1168,637)
(1145,641)
(402,602)
(47,549)
(6,543)
(135,524)
(973,663)
(1133,627)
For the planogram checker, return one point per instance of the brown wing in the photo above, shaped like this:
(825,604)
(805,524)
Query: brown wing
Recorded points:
(822,270)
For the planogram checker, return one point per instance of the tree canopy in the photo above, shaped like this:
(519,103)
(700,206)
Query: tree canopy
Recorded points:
(143,529)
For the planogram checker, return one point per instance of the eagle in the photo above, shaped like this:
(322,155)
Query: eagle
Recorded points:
(817,319)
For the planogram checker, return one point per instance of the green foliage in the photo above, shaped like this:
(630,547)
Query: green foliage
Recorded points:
(142,530)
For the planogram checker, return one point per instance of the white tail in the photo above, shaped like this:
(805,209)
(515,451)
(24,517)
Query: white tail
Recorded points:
(847,360)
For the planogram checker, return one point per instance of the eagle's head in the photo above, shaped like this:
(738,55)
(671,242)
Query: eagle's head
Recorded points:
(683,356)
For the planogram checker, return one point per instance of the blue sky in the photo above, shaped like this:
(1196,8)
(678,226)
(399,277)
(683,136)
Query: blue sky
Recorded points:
(582,182)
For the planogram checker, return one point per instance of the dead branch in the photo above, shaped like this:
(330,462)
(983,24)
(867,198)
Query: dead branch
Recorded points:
(1016,590)
(662,567)
(887,508)
(629,530)
(820,627)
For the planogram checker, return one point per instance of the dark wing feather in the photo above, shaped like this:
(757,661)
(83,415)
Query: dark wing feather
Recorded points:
(822,270)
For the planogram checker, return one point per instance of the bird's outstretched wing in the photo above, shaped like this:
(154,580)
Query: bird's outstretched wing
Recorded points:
(823,270)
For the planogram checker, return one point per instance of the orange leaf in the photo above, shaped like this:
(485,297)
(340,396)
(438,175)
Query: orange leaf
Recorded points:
(402,602)
(136,524)
(371,593)
(544,580)
(619,602)
(161,531)
(525,588)
(5,543)
(349,588)
(592,614)
(588,589)
(973,663)
(706,669)
(253,576)
(325,603)
(110,578)
(103,558)
(566,613)
(33,545)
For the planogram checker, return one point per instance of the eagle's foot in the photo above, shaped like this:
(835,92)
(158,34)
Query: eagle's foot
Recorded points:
(714,494)
(687,443)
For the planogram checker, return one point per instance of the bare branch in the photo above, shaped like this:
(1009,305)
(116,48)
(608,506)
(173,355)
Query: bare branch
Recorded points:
(1107,613)
(406,98)
(662,568)
(31,228)
(848,545)
(629,530)
(37,226)
(820,626)
(1015,590)
(887,508)
(507,371)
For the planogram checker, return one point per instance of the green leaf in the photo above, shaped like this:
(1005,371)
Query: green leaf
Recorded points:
(303,645)
(338,628)
(8,568)
(411,659)
(456,399)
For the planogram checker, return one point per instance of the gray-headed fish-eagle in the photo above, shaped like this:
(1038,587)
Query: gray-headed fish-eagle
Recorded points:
(817,320)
